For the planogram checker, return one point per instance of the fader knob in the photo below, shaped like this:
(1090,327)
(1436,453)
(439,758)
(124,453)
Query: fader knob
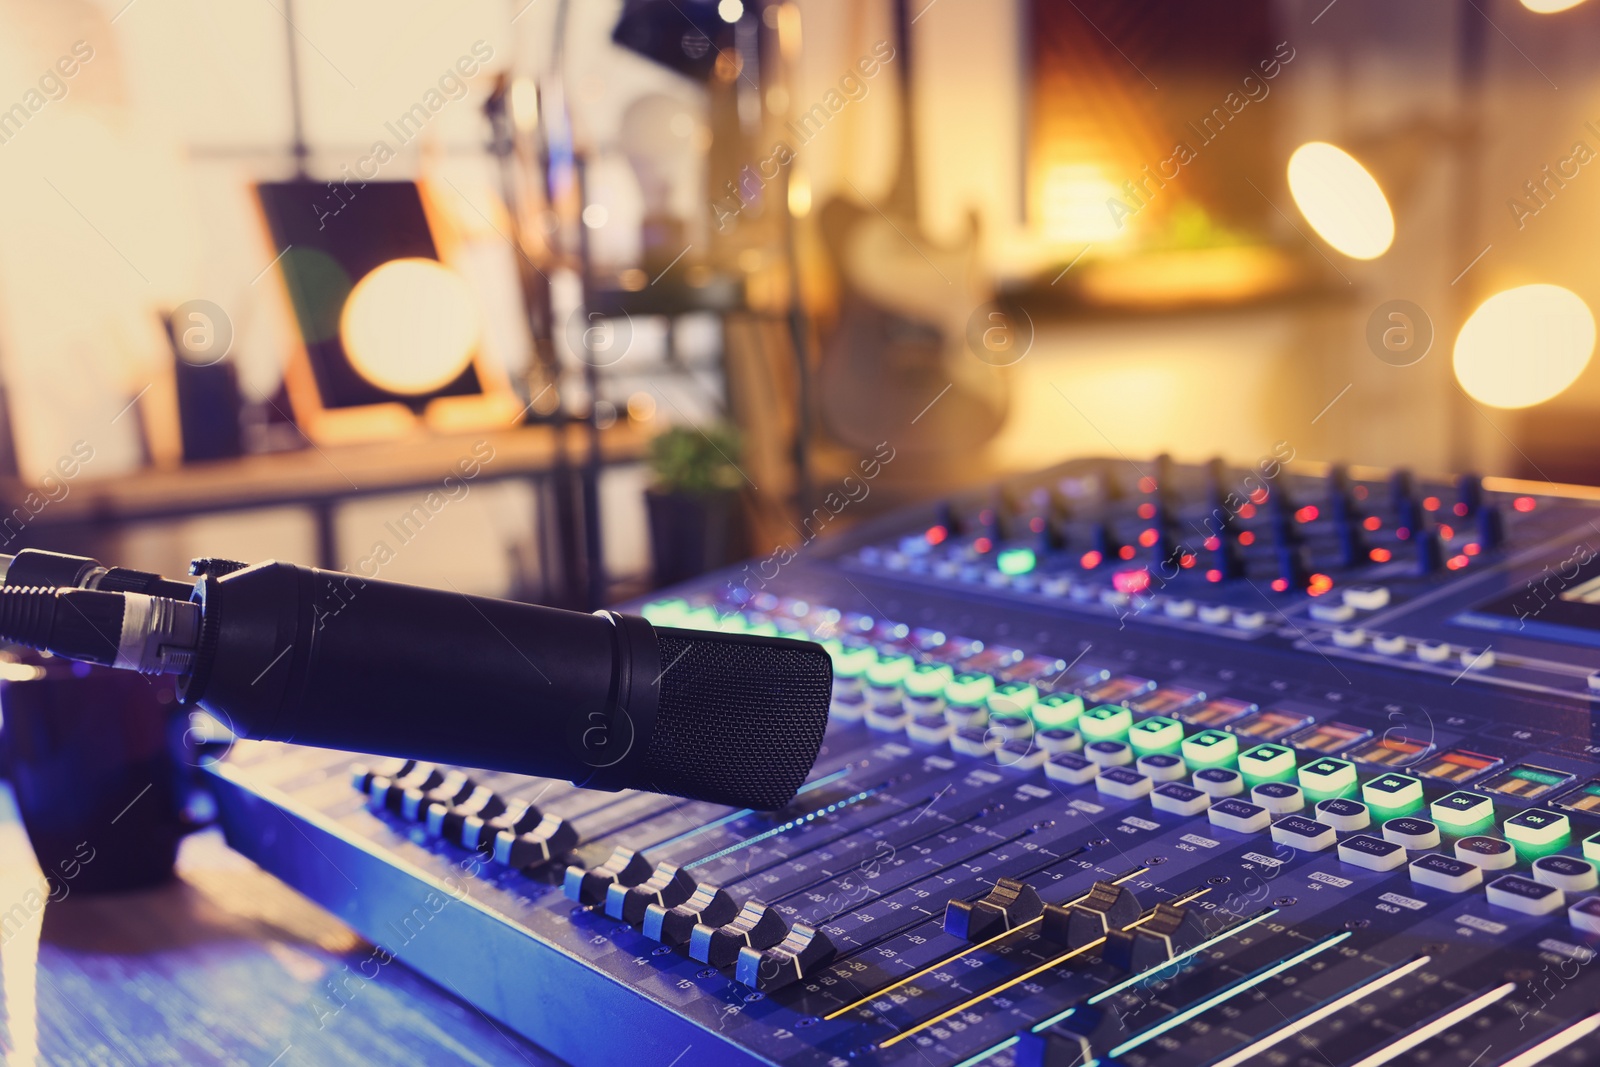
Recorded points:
(1430,551)
(1469,494)
(1491,526)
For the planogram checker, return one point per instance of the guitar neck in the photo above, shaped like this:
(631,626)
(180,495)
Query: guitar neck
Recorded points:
(903,191)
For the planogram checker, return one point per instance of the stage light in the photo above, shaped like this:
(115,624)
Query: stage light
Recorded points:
(1549,7)
(731,10)
(410,326)
(1525,345)
(1341,200)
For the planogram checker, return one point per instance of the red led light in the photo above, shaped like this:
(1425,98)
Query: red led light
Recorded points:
(1371,522)
(982,545)
(1279,585)
(1036,524)
(1460,509)
(1130,582)
(1403,532)
(1147,485)
(1446,531)
(936,535)
(1186,561)
(1213,575)
(1430,503)
(1247,511)
(1090,560)
(1247,538)
(986,516)
(1147,510)
(1472,548)
(1320,583)
(1360,492)
(1212,544)
(1524,503)
(1381,555)
(1306,514)
(1259,496)
(1126,551)
(1148,537)
(1455,563)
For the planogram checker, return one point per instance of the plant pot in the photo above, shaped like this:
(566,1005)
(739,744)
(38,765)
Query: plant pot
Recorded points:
(691,533)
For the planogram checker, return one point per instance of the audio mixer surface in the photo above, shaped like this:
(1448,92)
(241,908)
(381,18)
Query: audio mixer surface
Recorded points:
(1126,763)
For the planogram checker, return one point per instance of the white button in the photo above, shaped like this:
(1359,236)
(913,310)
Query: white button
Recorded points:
(888,719)
(1280,798)
(1442,872)
(1217,614)
(1414,834)
(1159,767)
(1239,815)
(1349,636)
(1566,873)
(1433,651)
(1343,815)
(1585,915)
(1329,611)
(1218,782)
(1594,680)
(1109,753)
(1055,586)
(974,741)
(929,729)
(1249,620)
(1069,767)
(1373,853)
(1179,799)
(1389,644)
(1525,895)
(1059,739)
(1477,659)
(1122,783)
(1111,598)
(1179,607)
(1490,853)
(1367,597)
(1307,835)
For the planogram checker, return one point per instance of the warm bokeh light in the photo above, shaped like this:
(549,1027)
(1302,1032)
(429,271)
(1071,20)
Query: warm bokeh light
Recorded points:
(1341,200)
(1073,203)
(410,326)
(1525,345)
(1549,7)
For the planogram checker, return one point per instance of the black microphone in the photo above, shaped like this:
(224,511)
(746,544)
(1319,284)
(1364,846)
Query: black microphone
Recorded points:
(608,701)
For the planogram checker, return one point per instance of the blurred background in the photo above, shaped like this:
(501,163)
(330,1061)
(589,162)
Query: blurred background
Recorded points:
(560,301)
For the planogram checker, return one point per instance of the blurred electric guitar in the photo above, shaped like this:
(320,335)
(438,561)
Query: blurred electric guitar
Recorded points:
(899,344)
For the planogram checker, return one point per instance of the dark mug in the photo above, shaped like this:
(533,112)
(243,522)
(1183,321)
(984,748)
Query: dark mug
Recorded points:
(94,757)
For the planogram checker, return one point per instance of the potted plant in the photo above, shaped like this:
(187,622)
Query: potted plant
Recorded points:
(693,502)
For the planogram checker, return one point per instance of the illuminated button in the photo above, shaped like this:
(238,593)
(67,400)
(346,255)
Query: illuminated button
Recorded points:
(1463,813)
(1476,659)
(1011,725)
(1343,815)
(929,728)
(1388,644)
(1157,734)
(1109,753)
(1106,722)
(1591,847)
(1323,611)
(1366,597)
(1490,853)
(1162,767)
(1056,710)
(965,716)
(668,612)
(1325,778)
(1567,873)
(1069,767)
(1241,816)
(1349,636)
(1210,748)
(1059,739)
(1249,620)
(1215,614)
(1179,608)
(1442,872)
(1012,698)
(1267,763)
(1536,832)
(1585,915)
(847,706)
(1123,783)
(1020,754)
(974,741)
(928,680)
(968,688)
(1525,895)
(1280,798)
(1373,853)
(1433,651)
(1414,834)
(1393,794)
(1302,833)
(1218,782)
(851,660)
(1179,799)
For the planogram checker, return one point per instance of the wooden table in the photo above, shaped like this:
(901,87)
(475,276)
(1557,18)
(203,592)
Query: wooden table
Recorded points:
(225,965)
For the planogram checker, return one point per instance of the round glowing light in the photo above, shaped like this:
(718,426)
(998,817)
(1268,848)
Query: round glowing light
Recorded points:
(596,216)
(410,326)
(1524,346)
(1549,7)
(731,10)
(1341,200)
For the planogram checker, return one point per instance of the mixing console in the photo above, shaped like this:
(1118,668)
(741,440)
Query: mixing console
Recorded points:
(1128,763)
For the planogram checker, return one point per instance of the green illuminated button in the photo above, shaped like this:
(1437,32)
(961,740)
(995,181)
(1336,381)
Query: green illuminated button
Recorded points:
(732,623)
(1057,710)
(890,671)
(1015,561)
(1156,734)
(1392,794)
(1106,722)
(1591,847)
(700,619)
(1536,832)
(1463,813)
(968,688)
(1267,763)
(1012,698)
(761,628)
(1210,748)
(928,680)
(852,661)
(668,612)
(1327,778)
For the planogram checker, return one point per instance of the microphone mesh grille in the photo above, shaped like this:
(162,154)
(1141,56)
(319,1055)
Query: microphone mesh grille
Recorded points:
(739,720)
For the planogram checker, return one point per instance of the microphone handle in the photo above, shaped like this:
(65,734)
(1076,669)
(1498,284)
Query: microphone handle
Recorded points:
(324,658)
